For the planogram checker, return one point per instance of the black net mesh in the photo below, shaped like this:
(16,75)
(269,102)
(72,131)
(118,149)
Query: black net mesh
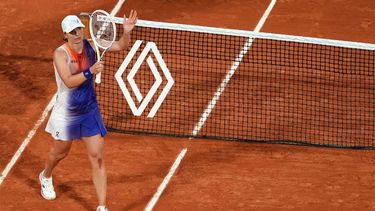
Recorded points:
(281,91)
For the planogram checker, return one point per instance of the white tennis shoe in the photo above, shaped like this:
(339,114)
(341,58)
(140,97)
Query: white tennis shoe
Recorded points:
(47,190)
(101,208)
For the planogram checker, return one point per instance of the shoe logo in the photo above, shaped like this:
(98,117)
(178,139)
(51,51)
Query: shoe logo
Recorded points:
(149,48)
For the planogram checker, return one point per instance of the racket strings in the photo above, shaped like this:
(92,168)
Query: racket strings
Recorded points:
(103,31)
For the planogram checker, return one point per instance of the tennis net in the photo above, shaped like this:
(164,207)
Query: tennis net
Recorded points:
(194,81)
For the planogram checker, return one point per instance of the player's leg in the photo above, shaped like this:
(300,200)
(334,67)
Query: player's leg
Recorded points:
(59,151)
(95,145)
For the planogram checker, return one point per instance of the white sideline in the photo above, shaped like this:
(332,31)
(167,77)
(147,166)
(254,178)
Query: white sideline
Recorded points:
(26,141)
(162,186)
(231,72)
(117,7)
(179,158)
(32,132)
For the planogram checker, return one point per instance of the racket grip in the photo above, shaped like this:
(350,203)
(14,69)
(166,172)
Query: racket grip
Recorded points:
(98,77)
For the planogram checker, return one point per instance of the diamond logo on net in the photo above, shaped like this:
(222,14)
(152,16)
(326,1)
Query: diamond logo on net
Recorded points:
(150,47)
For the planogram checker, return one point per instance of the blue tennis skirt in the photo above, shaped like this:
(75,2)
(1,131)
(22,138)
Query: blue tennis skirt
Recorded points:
(66,128)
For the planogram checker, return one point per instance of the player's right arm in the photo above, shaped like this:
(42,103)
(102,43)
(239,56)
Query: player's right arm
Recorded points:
(61,62)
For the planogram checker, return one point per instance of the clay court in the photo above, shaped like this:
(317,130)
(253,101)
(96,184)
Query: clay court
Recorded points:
(214,174)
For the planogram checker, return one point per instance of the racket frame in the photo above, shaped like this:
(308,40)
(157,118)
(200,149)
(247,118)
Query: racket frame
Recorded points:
(96,44)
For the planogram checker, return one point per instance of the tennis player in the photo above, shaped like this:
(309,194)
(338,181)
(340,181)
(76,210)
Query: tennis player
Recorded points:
(76,114)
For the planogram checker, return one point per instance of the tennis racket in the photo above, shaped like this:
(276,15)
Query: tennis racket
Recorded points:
(103,34)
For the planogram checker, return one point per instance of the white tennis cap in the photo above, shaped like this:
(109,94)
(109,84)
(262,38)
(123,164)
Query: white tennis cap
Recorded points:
(71,22)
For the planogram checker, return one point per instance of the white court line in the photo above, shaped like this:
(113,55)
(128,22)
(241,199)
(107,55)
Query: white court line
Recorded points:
(117,7)
(205,114)
(231,72)
(32,132)
(27,140)
(162,186)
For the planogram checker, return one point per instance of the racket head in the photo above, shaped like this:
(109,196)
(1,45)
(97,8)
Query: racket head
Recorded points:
(102,29)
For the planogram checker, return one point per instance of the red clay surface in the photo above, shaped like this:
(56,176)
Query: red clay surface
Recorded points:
(214,175)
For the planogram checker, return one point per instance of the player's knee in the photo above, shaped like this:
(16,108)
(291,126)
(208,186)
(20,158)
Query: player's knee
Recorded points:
(95,155)
(96,159)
